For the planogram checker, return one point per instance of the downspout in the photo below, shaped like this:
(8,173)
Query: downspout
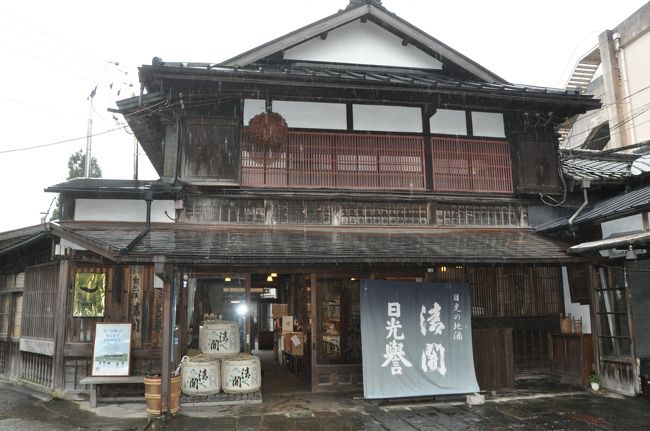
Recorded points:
(148,197)
(626,84)
(585,186)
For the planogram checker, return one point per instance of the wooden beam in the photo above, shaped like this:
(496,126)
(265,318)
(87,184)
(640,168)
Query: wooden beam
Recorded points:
(60,321)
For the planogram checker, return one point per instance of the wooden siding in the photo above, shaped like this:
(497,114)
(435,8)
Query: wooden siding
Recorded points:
(469,165)
(39,299)
(336,160)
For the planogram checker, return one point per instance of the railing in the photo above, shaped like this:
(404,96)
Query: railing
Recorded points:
(376,162)
(466,165)
(336,160)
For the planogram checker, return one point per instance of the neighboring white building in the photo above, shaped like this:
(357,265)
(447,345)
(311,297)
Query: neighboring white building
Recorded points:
(617,71)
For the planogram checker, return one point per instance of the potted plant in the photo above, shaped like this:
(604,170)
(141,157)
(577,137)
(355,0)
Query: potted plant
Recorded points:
(594,381)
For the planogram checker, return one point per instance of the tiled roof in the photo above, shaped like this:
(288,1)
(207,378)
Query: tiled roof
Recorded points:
(341,75)
(596,166)
(265,245)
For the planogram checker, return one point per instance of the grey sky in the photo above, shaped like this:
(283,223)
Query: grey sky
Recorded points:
(54,54)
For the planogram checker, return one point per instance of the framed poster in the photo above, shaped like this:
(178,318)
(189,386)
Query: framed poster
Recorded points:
(112,349)
(89,294)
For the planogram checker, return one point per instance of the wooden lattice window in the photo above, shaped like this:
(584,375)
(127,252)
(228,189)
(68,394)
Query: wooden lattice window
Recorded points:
(471,165)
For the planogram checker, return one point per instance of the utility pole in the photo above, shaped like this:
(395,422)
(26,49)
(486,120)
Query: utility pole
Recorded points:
(89,133)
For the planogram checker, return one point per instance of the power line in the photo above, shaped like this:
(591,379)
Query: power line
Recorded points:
(60,142)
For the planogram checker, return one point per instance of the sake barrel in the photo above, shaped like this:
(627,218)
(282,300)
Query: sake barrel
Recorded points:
(201,375)
(241,374)
(219,338)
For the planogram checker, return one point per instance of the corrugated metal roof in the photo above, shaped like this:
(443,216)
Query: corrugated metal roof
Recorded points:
(101,185)
(10,238)
(640,238)
(256,245)
(617,206)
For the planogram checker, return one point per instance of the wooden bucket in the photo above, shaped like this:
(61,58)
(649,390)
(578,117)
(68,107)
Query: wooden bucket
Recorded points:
(577,326)
(152,391)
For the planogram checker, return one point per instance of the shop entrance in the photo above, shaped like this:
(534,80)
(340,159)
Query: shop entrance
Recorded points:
(252,302)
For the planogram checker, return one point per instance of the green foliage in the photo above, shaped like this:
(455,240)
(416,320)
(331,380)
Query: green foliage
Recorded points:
(76,168)
(594,378)
(77,164)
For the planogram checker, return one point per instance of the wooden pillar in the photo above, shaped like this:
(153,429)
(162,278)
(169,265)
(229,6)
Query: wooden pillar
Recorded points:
(163,271)
(315,324)
(60,323)
(247,318)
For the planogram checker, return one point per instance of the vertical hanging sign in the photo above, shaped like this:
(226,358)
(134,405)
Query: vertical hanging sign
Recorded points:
(89,294)
(416,339)
(135,305)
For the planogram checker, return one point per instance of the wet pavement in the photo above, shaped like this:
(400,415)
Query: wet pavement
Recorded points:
(561,409)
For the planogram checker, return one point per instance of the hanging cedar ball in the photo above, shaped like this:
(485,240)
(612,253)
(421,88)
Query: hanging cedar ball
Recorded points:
(268,134)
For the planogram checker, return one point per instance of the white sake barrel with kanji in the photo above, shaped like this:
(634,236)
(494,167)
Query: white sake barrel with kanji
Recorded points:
(219,338)
(200,375)
(241,374)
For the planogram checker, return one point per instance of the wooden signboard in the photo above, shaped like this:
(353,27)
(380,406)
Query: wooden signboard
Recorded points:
(112,349)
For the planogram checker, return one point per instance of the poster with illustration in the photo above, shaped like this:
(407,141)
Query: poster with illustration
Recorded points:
(89,294)
(112,349)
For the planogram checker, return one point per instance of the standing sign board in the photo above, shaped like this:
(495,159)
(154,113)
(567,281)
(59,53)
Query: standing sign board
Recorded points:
(112,349)
(416,339)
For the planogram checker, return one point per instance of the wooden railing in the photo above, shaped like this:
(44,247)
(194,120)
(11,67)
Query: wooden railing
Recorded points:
(375,162)
(336,160)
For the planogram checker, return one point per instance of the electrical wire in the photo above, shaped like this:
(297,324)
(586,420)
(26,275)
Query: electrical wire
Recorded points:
(60,142)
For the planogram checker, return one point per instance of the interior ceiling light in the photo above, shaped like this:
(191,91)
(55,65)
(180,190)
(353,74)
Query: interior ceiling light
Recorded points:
(227,279)
(269,278)
(274,274)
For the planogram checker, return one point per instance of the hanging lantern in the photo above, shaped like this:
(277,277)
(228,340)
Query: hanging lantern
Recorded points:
(268,133)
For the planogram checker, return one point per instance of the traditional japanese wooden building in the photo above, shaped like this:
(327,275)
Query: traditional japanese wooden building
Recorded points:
(402,159)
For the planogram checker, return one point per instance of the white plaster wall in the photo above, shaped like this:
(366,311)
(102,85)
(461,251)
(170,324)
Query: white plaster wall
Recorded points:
(576,309)
(625,225)
(362,43)
(128,210)
(312,115)
(488,124)
(381,118)
(638,72)
(448,122)
(252,107)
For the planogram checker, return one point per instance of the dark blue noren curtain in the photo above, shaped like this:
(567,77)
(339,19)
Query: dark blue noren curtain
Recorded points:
(416,339)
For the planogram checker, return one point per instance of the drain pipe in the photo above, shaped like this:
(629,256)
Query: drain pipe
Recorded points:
(148,197)
(585,186)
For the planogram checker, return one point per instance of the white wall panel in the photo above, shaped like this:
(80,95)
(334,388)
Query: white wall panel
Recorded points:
(387,118)
(488,124)
(448,122)
(362,43)
(128,210)
(312,115)
(252,107)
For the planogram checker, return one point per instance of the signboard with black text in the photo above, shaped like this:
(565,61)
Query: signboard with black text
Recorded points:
(416,339)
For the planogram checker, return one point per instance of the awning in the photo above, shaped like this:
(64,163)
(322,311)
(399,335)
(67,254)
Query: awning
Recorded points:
(624,242)
(261,245)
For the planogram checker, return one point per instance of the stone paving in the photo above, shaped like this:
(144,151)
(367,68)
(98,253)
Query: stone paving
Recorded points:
(578,410)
